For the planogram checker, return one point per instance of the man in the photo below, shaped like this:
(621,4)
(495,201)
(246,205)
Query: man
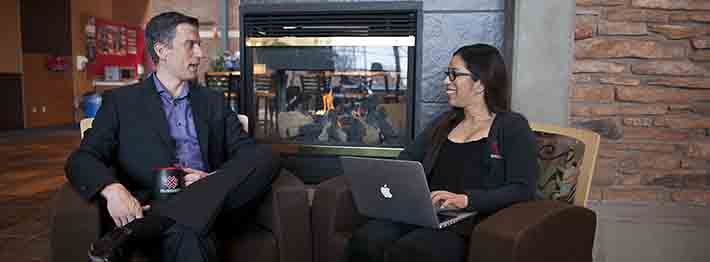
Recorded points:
(167,121)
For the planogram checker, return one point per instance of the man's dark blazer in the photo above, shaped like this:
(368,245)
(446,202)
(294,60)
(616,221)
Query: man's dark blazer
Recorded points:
(130,138)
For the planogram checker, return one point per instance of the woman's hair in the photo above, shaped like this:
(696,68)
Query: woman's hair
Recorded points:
(485,61)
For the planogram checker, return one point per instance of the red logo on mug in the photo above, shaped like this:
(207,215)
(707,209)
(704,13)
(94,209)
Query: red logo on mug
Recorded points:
(171,182)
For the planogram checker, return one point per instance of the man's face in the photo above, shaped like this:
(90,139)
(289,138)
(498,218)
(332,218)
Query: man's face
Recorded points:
(183,58)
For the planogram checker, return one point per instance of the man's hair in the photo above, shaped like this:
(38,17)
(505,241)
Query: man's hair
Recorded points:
(161,29)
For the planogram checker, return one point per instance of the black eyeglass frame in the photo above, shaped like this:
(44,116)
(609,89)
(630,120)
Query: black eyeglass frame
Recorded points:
(452,74)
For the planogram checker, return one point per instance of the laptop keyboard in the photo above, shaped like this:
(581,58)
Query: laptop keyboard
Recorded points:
(444,217)
(446,209)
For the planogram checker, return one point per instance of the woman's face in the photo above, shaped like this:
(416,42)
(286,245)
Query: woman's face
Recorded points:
(465,90)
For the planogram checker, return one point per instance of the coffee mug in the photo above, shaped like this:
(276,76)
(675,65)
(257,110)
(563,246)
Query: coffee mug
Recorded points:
(167,182)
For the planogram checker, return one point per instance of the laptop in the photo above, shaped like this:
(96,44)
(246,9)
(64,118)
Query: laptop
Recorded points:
(396,190)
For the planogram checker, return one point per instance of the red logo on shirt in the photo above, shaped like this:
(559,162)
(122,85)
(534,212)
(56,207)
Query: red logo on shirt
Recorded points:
(495,152)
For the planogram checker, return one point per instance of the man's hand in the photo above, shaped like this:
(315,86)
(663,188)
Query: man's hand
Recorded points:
(441,199)
(122,206)
(193,175)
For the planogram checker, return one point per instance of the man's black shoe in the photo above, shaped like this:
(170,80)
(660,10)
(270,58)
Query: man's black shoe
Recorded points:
(108,247)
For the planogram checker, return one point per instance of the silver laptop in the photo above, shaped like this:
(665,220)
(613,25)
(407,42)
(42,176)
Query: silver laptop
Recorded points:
(396,190)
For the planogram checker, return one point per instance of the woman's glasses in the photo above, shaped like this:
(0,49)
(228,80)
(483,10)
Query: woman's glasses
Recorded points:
(452,74)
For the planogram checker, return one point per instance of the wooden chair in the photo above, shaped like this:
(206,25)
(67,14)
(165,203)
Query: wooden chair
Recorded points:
(541,230)
(312,90)
(265,94)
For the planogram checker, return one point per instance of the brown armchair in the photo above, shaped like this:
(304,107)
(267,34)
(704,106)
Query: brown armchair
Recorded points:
(544,230)
(280,231)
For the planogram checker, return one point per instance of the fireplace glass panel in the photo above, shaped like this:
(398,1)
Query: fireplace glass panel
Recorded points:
(332,95)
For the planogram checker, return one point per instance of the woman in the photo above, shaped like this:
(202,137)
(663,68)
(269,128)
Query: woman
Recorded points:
(479,156)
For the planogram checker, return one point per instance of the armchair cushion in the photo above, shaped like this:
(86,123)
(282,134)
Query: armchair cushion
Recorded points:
(251,243)
(287,215)
(334,219)
(559,159)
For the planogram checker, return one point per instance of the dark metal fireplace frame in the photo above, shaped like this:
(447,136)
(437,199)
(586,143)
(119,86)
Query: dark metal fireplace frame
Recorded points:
(247,94)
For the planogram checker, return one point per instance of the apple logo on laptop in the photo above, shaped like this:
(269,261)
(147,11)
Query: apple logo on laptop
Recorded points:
(386,191)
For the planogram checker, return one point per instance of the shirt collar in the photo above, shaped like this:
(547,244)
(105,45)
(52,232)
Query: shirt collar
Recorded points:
(184,92)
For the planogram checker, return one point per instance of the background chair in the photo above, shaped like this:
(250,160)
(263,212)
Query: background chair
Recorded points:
(265,91)
(279,232)
(542,230)
(312,86)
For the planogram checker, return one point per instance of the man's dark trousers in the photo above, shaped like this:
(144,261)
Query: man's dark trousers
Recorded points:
(232,193)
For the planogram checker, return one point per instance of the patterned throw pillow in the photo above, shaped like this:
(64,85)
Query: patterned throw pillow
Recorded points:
(559,158)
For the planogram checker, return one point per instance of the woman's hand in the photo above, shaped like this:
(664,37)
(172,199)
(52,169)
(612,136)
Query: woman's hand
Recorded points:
(441,199)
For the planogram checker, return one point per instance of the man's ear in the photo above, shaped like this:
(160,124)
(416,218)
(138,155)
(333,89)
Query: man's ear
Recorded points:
(161,50)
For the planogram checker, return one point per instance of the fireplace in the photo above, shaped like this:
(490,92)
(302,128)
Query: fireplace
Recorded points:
(331,78)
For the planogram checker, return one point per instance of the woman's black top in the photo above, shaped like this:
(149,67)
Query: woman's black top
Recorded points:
(459,166)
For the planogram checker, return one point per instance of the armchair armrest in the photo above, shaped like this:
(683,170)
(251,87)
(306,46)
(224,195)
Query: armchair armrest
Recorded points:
(75,223)
(335,217)
(535,231)
(286,213)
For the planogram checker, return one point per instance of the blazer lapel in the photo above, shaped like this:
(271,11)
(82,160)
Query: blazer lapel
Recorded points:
(200,114)
(156,114)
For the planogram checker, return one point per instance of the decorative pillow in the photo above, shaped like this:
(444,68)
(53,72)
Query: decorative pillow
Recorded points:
(559,158)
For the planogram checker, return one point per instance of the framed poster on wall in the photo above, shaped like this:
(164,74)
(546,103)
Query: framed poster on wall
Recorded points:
(113,44)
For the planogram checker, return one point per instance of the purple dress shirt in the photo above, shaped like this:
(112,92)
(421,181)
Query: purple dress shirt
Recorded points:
(182,126)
